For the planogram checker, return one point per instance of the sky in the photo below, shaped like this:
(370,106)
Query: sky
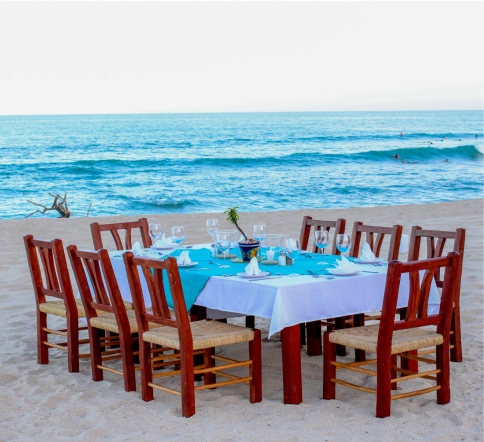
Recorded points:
(157,57)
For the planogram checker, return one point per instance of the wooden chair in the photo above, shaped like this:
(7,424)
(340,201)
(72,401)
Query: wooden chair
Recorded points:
(141,224)
(314,343)
(50,278)
(436,240)
(389,338)
(190,338)
(106,312)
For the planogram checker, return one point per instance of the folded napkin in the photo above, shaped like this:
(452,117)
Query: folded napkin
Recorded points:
(346,266)
(137,249)
(253,267)
(184,259)
(164,241)
(291,244)
(366,253)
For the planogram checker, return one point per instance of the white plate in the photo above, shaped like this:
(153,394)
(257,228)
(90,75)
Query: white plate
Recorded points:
(368,261)
(192,264)
(260,275)
(167,247)
(342,272)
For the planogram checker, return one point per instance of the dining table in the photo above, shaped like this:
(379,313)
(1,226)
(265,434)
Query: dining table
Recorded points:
(304,292)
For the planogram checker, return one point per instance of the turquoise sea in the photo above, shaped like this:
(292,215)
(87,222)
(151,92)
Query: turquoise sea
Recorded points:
(177,163)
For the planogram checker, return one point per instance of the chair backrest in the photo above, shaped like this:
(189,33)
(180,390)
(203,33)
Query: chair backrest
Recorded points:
(97,284)
(436,240)
(50,274)
(157,273)
(375,244)
(115,228)
(417,310)
(308,222)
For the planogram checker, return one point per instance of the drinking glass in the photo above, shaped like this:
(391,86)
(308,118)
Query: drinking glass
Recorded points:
(260,232)
(343,243)
(212,228)
(272,241)
(223,242)
(155,231)
(178,235)
(234,237)
(293,250)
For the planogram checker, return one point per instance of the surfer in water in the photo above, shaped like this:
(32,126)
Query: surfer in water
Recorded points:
(396,156)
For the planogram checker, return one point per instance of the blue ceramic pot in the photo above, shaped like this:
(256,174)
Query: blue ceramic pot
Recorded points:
(249,251)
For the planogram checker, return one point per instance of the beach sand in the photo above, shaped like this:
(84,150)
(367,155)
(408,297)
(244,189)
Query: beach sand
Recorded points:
(45,402)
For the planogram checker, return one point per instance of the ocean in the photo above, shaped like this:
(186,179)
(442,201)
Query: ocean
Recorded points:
(180,163)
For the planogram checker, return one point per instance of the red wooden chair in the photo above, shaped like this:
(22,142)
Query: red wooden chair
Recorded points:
(189,338)
(436,240)
(115,228)
(389,338)
(50,278)
(106,312)
(314,343)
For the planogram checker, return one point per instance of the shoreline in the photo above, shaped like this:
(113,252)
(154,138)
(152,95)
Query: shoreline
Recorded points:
(31,394)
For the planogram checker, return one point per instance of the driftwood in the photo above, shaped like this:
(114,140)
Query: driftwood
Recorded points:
(59,204)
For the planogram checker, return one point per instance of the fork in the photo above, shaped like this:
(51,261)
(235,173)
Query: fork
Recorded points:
(313,274)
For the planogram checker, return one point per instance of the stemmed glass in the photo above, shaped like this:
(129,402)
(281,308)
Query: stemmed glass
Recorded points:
(223,243)
(343,243)
(178,235)
(212,228)
(321,239)
(260,232)
(155,231)
(293,250)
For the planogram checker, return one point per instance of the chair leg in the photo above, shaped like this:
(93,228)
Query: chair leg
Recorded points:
(314,342)
(146,370)
(410,364)
(455,338)
(359,321)
(187,385)
(96,357)
(42,349)
(443,378)
(209,378)
(340,323)
(383,385)
(73,343)
(329,370)
(128,362)
(394,372)
(255,350)
(302,334)
(250,321)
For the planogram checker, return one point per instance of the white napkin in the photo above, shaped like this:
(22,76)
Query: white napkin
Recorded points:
(366,253)
(253,267)
(137,249)
(164,241)
(184,259)
(346,266)
(291,244)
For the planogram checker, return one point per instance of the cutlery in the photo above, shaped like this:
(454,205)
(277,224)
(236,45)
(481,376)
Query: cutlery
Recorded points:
(368,271)
(228,274)
(313,274)
(215,264)
(194,270)
(268,277)
(307,255)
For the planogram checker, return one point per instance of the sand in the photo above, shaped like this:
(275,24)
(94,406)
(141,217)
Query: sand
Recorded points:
(45,402)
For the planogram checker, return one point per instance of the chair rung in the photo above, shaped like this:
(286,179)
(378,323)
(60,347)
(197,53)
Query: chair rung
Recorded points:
(167,390)
(221,358)
(356,387)
(402,370)
(223,367)
(417,358)
(224,383)
(425,374)
(353,368)
(111,358)
(112,370)
(54,332)
(226,375)
(58,346)
(415,393)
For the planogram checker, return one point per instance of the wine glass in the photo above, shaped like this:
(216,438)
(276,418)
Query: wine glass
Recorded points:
(233,237)
(155,231)
(178,235)
(293,250)
(343,243)
(260,232)
(321,240)
(212,228)
(223,243)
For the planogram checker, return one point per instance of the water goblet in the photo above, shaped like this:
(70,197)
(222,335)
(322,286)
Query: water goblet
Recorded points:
(212,228)
(343,243)
(293,250)
(178,235)
(155,231)
(260,232)
(321,240)
(223,243)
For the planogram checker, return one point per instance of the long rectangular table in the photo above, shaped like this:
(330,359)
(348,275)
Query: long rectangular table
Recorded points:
(287,301)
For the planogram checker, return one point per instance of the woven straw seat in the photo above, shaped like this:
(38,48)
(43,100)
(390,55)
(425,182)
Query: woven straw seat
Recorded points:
(206,334)
(58,308)
(366,338)
(108,322)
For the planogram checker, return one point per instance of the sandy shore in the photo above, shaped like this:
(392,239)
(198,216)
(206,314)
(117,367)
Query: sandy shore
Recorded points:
(48,403)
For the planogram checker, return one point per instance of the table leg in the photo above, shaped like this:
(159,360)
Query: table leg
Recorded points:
(291,365)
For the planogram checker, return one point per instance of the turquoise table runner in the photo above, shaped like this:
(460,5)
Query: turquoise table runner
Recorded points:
(193,280)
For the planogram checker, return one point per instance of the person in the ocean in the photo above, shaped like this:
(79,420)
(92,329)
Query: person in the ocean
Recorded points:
(396,156)
(446,160)
(402,134)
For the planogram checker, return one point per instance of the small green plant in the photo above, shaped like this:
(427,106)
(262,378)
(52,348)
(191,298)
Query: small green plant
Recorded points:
(232,218)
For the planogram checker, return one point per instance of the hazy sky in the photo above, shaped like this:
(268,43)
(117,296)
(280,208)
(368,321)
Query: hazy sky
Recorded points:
(108,57)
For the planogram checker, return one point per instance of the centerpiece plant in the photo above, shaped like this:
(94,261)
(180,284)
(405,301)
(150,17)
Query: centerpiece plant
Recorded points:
(249,247)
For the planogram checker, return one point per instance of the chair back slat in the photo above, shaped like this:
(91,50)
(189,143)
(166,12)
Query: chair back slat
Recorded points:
(308,222)
(375,244)
(93,269)
(153,271)
(126,228)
